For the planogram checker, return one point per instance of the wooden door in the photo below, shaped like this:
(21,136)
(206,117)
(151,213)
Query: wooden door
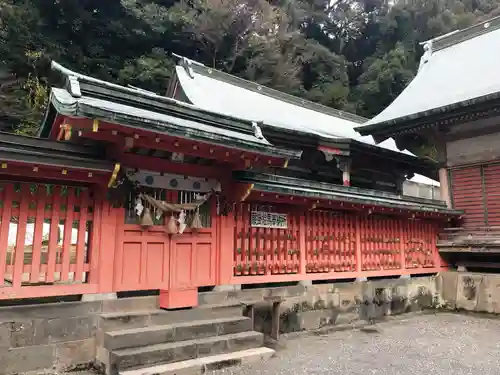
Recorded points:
(153,259)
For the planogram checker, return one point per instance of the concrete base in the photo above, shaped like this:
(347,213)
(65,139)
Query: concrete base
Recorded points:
(306,283)
(361,280)
(99,297)
(228,288)
(178,299)
(462,269)
(405,277)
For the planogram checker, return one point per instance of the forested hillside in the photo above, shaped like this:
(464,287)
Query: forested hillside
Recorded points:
(347,54)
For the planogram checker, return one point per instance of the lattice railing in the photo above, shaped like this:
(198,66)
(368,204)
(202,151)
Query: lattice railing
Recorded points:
(330,242)
(45,234)
(334,242)
(261,251)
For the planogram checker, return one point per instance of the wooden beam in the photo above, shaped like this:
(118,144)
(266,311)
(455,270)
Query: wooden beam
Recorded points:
(315,203)
(42,173)
(162,165)
(117,134)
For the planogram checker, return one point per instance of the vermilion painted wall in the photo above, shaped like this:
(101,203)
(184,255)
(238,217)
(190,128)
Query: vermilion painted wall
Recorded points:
(110,256)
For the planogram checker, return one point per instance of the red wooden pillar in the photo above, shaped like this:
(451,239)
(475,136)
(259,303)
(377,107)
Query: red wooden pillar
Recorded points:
(358,243)
(103,244)
(225,249)
(438,260)
(302,243)
(403,229)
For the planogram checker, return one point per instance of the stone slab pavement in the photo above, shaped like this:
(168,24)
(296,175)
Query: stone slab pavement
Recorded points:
(426,344)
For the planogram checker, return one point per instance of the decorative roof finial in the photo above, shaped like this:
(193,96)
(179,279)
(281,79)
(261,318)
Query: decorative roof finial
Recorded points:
(257,130)
(426,56)
(73,86)
(186,64)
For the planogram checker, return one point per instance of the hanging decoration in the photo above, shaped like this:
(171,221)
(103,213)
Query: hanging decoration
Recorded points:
(139,207)
(171,227)
(147,220)
(196,221)
(180,210)
(167,207)
(182,221)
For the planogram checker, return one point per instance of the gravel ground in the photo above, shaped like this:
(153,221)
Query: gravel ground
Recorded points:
(422,344)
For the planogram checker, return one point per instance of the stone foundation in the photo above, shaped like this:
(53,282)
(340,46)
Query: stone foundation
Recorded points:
(58,336)
(316,306)
(470,291)
(62,336)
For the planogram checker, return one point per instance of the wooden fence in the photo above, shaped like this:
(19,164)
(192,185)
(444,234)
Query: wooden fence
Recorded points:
(60,240)
(333,245)
(46,233)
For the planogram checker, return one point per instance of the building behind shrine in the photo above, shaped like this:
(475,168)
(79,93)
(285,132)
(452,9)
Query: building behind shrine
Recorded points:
(453,105)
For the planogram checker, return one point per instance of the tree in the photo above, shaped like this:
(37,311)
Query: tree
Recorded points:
(256,40)
(356,55)
(383,79)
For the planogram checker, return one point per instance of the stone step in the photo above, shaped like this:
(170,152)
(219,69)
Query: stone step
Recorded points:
(115,321)
(160,334)
(158,354)
(216,297)
(200,366)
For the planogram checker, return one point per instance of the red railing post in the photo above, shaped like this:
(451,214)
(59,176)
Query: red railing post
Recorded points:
(22,222)
(94,240)
(8,193)
(402,241)
(302,244)
(358,243)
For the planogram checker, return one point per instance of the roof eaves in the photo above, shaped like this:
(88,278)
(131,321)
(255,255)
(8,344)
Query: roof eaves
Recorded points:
(20,148)
(287,185)
(401,204)
(347,145)
(78,84)
(405,123)
(442,115)
(399,156)
(25,142)
(278,133)
(85,110)
(55,160)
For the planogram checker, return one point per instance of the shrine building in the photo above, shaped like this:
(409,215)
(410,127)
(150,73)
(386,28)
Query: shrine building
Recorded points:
(453,105)
(221,182)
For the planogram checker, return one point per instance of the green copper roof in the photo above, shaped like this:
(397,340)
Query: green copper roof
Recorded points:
(92,98)
(457,70)
(320,190)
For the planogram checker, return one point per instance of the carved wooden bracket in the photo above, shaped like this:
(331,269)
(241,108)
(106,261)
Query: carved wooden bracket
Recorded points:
(344,164)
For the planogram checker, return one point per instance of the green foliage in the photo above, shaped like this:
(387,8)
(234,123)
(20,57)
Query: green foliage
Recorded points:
(35,101)
(356,55)
(383,79)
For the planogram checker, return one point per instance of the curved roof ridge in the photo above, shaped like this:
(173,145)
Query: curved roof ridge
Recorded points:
(461,35)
